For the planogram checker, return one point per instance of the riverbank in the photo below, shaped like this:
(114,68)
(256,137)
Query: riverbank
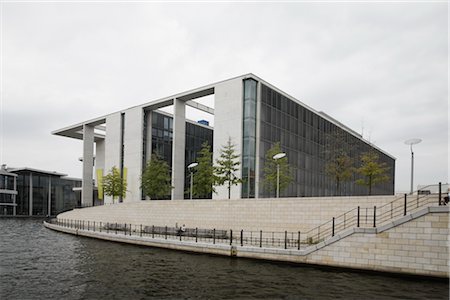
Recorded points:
(415,243)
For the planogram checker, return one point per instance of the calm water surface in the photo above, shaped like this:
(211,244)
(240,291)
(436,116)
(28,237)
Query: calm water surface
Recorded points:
(38,263)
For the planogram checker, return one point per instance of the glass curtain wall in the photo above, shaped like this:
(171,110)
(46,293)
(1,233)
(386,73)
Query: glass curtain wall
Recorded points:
(249,139)
(305,137)
(196,135)
(23,194)
(162,136)
(63,197)
(40,194)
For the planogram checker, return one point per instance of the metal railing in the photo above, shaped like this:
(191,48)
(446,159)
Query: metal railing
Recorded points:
(266,239)
(374,216)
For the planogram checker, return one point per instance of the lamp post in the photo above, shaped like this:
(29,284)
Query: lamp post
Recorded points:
(276,157)
(412,142)
(190,168)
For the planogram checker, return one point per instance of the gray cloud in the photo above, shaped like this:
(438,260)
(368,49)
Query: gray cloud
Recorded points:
(383,64)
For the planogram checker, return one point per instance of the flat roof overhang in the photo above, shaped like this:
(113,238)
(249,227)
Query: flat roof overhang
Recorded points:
(188,96)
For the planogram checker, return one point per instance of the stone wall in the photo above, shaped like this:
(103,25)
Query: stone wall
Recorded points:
(419,246)
(291,214)
(416,244)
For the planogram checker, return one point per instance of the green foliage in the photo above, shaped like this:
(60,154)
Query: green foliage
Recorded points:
(372,170)
(339,166)
(113,185)
(156,179)
(204,177)
(227,165)
(270,170)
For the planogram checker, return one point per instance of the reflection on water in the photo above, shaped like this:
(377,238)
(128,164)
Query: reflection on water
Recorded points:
(38,263)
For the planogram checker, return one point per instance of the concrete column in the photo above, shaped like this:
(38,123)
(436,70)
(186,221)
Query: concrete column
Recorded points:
(112,147)
(148,145)
(88,159)
(178,148)
(100,154)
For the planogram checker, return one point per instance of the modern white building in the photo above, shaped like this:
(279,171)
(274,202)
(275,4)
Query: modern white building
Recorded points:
(249,110)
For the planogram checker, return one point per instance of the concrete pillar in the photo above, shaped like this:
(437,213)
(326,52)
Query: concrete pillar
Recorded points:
(88,159)
(133,153)
(148,145)
(112,147)
(178,148)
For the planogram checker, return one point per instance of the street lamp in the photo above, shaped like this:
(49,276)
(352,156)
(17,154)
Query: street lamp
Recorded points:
(276,157)
(412,142)
(190,168)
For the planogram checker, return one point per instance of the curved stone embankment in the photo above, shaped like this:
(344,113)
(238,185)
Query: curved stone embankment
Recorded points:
(268,214)
(414,244)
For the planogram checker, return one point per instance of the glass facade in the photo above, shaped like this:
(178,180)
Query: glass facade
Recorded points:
(249,139)
(304,136)
(196,135)
(23,194)
(6,196)
(43,186)
(162,136)
(40,194)
(63,197)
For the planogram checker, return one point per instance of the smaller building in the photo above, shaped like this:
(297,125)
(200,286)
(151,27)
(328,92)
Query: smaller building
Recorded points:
(8,192)
(33,192)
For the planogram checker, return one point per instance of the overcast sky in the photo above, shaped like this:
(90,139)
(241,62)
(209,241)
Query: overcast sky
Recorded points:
(380,68)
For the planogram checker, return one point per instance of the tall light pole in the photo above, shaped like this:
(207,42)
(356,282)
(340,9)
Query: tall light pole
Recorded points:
(191,168)
(412,142)
(276,157)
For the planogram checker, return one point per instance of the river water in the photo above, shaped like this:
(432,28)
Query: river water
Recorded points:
(38,263)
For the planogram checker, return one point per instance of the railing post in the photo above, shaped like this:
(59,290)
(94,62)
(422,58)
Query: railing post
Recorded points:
(231,236)
(130,228)
(153,231)
(404,207)
(332,234)
(88,225)
(180,234)
(196,234)
(94,226)
(165,235)
(242,237)
(107,227)
(298,246)
(374,216)
(285,239)
(125,229)
(214,236)
(357,219)
(440,193)
(116,228)
(100,227)
(140,231)
(260,239)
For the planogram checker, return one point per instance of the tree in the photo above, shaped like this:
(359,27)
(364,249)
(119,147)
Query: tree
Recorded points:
(156,179)
(114,185)
(204,177)
(227,166)
(270,170)
(339,166)
(372,170)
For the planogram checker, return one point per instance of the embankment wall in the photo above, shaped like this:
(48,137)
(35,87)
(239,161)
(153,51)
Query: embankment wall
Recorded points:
(291,214)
